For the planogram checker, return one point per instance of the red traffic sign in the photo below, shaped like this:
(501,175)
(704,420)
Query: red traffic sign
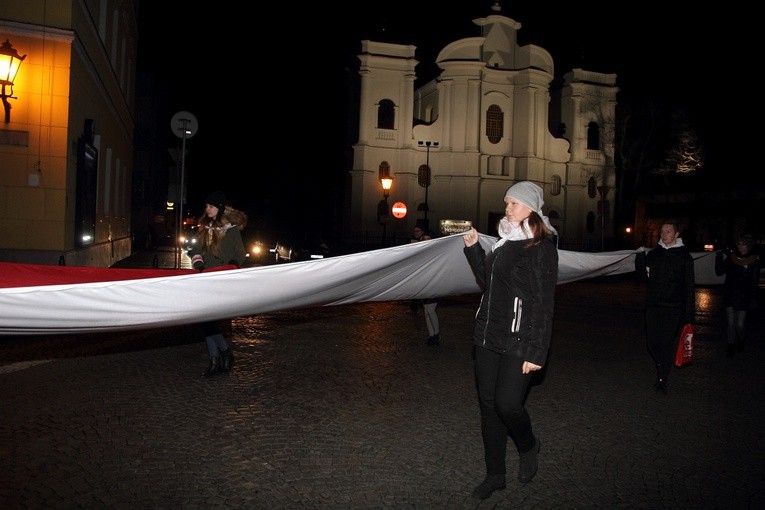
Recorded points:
(399,210)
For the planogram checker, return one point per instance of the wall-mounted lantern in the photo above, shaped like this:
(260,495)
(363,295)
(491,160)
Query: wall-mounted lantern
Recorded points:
(10,61)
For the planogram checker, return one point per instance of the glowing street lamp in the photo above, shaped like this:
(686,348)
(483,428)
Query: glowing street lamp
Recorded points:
(10,61)
(387,182)
(383,210)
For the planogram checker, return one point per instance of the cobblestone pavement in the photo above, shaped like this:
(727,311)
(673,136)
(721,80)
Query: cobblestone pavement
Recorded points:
(347,408)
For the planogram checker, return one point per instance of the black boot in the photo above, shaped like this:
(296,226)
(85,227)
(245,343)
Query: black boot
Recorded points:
(436,339)
(527,467)
(731,350)
(226,360)
(212,368)
(490,484)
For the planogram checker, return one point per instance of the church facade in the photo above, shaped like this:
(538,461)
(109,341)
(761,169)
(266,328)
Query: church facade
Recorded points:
(490,119)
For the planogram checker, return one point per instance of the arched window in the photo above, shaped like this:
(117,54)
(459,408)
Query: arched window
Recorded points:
(495,123)
(383,170)
(593,136)
(429,114)
(386,114)
(590,222)
(555,185)
(591,187)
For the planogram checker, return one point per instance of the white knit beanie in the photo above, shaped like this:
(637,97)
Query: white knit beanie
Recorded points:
(527,193)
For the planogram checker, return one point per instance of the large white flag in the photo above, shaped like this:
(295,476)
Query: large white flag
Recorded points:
(427,269)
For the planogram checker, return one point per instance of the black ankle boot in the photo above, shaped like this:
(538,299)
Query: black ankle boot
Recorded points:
(490,484)
(527,467)
(436,339)
(212,368)
(226,360)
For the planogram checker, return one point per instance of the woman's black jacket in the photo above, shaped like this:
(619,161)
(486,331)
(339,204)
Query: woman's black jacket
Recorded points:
(516,309)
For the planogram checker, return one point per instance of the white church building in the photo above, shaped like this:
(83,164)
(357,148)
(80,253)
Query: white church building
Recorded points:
(489,120)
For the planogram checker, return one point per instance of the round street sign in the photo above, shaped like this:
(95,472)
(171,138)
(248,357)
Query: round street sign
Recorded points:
(184,124)
(399,210)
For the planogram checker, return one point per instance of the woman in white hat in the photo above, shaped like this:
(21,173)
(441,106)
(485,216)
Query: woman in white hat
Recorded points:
(512,329)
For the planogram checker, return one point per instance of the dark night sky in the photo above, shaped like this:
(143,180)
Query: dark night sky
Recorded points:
(255,126)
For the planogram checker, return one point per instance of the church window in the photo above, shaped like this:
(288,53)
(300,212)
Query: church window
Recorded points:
(590,222)
(593,136)
(386,114)
(495,123)
(383,170)
(591,187)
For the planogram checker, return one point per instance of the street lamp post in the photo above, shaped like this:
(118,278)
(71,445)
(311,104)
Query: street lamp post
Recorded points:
(184,125)
(382,208)
(423,175)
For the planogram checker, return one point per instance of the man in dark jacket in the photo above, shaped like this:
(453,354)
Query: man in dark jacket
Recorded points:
(670,297)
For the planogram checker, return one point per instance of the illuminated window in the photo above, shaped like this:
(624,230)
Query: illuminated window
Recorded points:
(383,171)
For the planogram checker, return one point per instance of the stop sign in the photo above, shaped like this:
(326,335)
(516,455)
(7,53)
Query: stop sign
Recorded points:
(399,210)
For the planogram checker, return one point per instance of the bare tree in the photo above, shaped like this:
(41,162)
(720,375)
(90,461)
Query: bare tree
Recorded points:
(653,140)
(685,155)
(639,132)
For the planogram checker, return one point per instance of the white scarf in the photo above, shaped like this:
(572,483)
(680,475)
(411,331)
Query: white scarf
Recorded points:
(514,231)
(678,243)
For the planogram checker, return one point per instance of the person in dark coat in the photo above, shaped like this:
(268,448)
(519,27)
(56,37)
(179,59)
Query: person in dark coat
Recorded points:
(670,297)
(220,243)
(741,268)
(513,328)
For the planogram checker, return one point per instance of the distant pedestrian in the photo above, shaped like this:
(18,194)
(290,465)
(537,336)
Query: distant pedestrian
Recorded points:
(428,305)
(220,243)
(741,267)
(513,328)
(670,297)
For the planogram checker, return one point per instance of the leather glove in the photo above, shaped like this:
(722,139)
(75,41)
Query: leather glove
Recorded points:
(198,262)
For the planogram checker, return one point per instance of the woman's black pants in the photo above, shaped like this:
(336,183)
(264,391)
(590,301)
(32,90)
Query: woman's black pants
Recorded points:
(502,389)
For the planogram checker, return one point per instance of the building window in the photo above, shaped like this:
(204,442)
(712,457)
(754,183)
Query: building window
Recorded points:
(429,114)
(591,187)
(555,185)
(590,222)
(383,170)
(495,123)
(593,136)
(386,114)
